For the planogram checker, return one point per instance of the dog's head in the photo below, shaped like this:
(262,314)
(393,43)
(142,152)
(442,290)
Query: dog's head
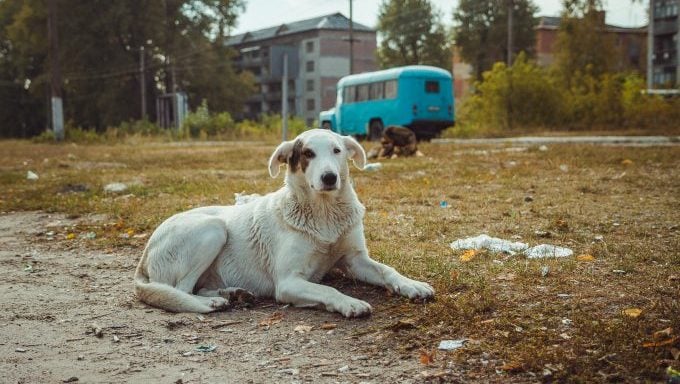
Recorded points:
(320,156)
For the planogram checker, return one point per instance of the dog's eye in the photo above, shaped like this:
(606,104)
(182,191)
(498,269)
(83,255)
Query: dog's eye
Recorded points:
(336,150)
(308,153)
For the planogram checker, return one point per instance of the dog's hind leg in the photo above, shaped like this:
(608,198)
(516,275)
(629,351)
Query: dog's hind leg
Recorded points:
(177,255)
(232,294)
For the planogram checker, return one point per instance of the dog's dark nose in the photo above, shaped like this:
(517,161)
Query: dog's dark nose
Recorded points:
(329,178)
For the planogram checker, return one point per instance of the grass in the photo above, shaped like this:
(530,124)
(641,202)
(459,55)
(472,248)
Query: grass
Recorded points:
(524,325)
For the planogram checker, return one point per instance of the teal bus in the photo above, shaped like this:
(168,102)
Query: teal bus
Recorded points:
(416,96)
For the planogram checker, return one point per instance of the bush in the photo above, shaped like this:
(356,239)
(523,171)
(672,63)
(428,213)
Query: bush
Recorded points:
(202,124)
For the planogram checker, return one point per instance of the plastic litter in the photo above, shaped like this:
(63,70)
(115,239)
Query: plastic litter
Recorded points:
(493,244)
(242,198)
(31,175)
(450,345)
(443,204)
(206,348)
(547,250)
(373,167)
(115,187)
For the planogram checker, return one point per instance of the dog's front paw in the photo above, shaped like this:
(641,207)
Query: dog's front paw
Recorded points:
(351,307)
(415,290)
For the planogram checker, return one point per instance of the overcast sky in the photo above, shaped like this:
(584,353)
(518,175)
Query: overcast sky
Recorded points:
(266,13)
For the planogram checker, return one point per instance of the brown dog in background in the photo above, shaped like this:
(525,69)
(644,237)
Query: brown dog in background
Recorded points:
(397,141)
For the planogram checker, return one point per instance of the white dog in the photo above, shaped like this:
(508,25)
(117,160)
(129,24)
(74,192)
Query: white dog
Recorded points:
(279,245)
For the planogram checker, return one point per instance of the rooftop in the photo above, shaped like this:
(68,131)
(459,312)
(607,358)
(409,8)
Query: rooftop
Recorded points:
(553,22)
(335,21)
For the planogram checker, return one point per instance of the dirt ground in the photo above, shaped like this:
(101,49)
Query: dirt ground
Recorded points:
(72,316)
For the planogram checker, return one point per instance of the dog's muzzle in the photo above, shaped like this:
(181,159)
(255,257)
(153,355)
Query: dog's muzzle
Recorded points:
(330,181)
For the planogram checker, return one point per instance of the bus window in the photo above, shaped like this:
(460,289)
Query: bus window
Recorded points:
(349,95)
(431,86)
(376,91)
(391,89)
(362,92)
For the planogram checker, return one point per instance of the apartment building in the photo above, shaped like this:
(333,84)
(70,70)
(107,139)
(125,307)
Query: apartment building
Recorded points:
(318,55)
(665,40)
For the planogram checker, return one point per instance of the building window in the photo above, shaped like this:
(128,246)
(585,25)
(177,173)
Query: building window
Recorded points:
(310,46)
(310,85)
(310,66)
(311,104)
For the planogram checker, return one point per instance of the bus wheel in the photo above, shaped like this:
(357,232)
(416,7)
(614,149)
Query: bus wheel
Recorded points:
(375,130)
(326,125)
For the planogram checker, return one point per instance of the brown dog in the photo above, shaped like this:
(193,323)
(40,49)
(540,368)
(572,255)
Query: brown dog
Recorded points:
(396,141)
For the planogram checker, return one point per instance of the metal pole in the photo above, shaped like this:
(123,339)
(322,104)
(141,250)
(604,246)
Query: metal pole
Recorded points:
(142,81)
(284,98)
(351,40)
(650,47)
(55,73)
(511,6)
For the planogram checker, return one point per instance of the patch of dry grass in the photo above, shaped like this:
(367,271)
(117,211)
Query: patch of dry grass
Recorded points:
(525,325)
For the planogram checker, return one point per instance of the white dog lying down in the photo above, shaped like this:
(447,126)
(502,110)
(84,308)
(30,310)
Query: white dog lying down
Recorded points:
(279,245)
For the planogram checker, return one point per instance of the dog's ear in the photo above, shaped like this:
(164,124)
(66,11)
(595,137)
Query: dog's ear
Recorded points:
(356,152)
(280,156)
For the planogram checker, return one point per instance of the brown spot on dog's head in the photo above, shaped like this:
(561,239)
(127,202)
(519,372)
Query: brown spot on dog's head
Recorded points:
(294,158)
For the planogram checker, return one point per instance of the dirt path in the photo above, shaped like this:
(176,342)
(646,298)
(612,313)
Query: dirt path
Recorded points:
(69,314)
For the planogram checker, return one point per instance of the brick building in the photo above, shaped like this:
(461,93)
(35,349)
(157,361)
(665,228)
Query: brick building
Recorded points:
(630,43)
(318,56)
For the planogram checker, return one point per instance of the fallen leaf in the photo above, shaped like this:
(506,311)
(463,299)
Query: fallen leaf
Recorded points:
(627,162)
(70,236)
(585,257)
(328,326)
(632,312)
(468,255)
(454,275)
(512,366)
(661,343)
(274,318)
(662,333)
(303,328)
(675,353)
(130,231)
(403,324)
(427,357)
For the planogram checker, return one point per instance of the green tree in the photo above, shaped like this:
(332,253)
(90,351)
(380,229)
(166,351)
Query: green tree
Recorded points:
(481,31)
(583,49)
(99,53)
(412,33)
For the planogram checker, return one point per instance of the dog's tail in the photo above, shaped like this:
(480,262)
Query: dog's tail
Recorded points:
(165,296)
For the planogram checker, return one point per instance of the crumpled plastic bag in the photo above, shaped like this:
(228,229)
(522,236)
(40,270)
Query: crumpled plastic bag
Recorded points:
(493,244)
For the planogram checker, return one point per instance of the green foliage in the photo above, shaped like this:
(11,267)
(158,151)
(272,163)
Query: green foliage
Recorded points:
(412,33)
(481,27)
(99,54)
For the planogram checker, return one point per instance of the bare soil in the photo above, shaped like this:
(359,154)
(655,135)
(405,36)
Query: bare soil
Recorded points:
(69,314)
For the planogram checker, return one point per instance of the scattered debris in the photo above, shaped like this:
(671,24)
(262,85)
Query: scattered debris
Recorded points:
(71,379)
(427,357)
(373,167)
(564,168)
(512,367)
(242,198)
(115,339)
(88,235)
(206,348)
(528,198)
(443,204)
(274,318)
(547,250)
(450,345)
(619,271)
(599,238)
(626,162)
(303,328)
(225,324)
(632,312)
(402,324)
(328,326)
(97,331)
(545,270)
(493,244)
(115,187)
(585,257)
(343,369)
(20,350)
(30,175)
(543,148)
(29,268)
(468,255)
(289,371)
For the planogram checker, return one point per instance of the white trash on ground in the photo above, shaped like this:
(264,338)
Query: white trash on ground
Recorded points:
(30,175)
(373,166)
(115,187)
(493,244)
(547,250)
(450,345)
(242,198)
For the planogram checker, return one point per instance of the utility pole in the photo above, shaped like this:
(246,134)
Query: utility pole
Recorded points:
(284,98)
(351,40)
(55,72)
(142,81)
(511,8)
(650,47)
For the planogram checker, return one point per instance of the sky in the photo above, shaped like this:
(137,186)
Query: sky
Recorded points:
(267,13)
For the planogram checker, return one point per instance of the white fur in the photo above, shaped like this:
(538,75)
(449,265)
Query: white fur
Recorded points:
(279,245)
